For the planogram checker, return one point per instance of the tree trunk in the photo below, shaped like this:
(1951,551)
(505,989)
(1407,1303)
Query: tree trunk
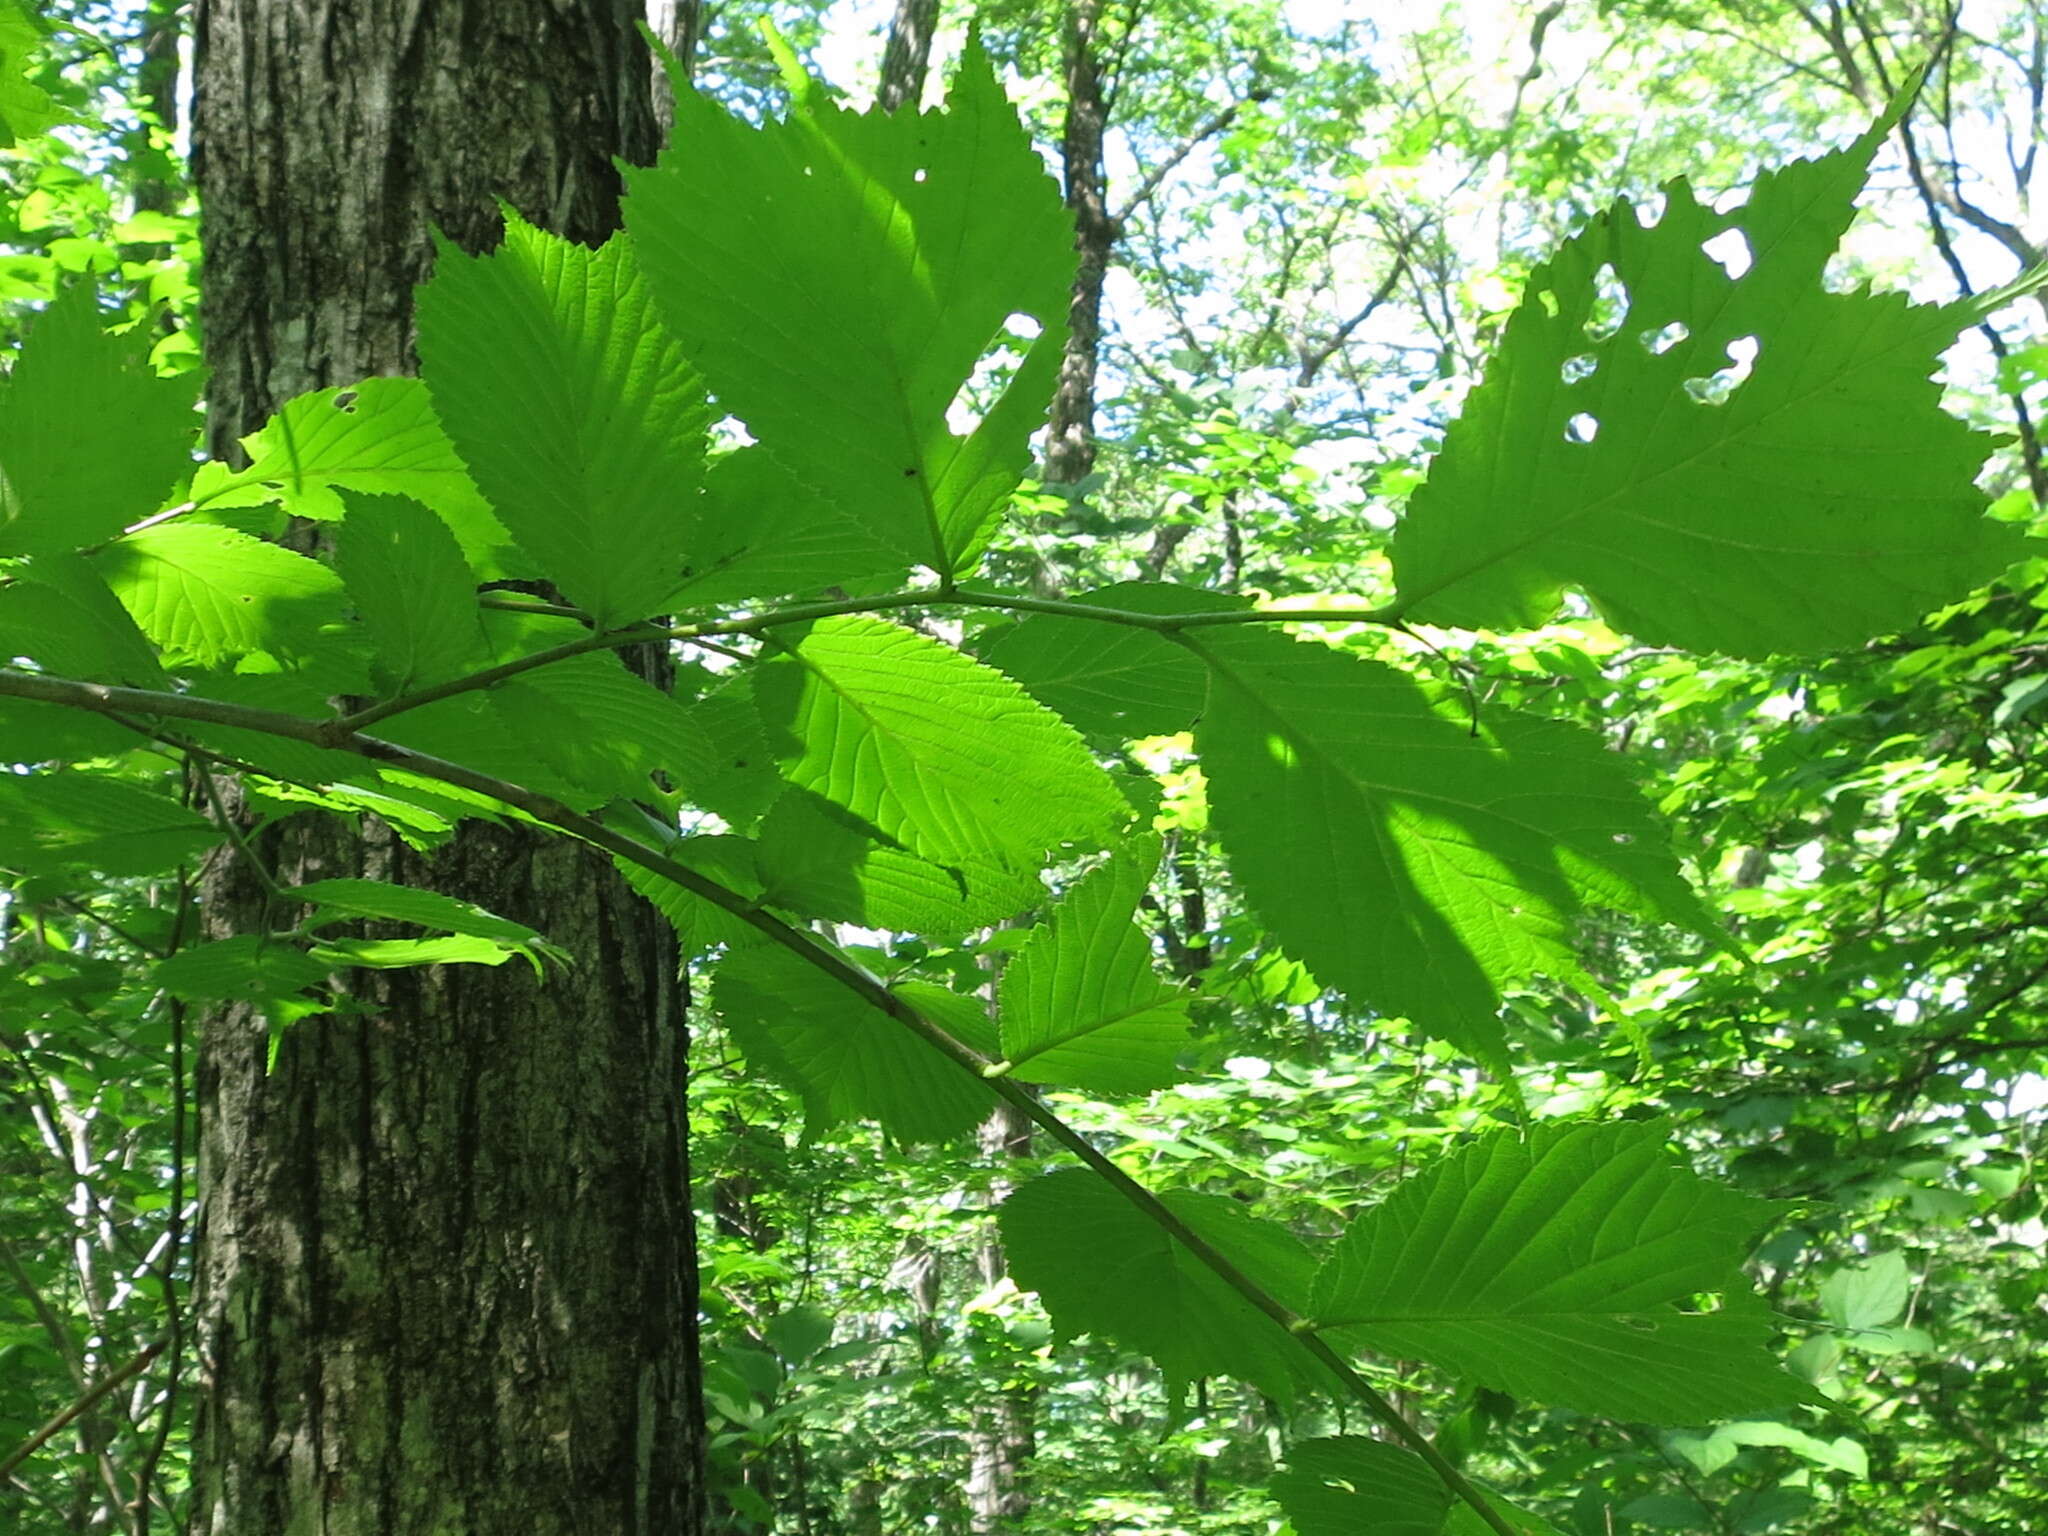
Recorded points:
(679,25)
(445,1279)
(1003,1435)
(1070,438)
(908,54)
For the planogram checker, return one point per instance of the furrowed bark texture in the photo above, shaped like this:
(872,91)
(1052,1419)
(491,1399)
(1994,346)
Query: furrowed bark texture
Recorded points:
(445,1279)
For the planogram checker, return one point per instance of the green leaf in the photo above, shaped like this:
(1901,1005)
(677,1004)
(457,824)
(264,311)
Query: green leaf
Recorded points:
(701,925)
(403,954)
(66,820)
(1867,1296)
(940,756)
(252,968)
(600,726)
(26,110)
(380,437)
(411,588)
(1410,863)
(838,277)
(408,904)
(91,439)
(817,860)
(1081,1004)
(209,594)
(575,411)
(1716,1449)
(582,728)
(1559,1271)
(739,782)
(1346,1484)
(1110,679)
(59,610)
(34,732)
(761,533)
(845,1058)
(1101,1266)
(1825,500)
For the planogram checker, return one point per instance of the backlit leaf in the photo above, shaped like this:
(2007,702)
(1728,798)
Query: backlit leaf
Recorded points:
(575,411)
(1101,1266)
(380,437)
(1565,1270)
(937,754)
(1109,679)
(91,439)
(846,1059)
(210,594)
(411,588)
(1346,1484)
(1410,863)
(1081,1003)
(838,276)
(57,820)
(1824,499)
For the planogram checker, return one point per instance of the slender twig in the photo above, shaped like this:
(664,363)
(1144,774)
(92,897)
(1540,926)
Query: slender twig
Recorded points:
(105,699)
(60,1336)
(167,1271)
(84,1403)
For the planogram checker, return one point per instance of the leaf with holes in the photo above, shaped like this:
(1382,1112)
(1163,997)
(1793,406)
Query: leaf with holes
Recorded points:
(839,277)
(211,594)
(1564,1270)
(1821,500)
(380,437)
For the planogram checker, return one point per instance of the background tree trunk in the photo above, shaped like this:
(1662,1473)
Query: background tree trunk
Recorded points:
(908,55)
(1070,439)
(1003,1435)
(679,24)
(445,1278)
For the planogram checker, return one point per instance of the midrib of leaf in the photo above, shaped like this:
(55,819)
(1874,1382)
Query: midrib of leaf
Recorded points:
(1082,1032)
(1501,1318)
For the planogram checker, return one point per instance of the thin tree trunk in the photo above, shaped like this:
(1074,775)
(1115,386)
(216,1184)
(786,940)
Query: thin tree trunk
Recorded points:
(908,55)
(1003,1435)
(445,1279)
(1002,1439)
(679,24)
(1070,440)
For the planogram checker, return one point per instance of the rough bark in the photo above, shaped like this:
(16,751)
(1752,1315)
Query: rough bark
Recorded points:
(445,1279)
(1070,439)
(908,54)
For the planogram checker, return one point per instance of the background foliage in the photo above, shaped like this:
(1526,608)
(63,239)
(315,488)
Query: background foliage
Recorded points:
(1325,232)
